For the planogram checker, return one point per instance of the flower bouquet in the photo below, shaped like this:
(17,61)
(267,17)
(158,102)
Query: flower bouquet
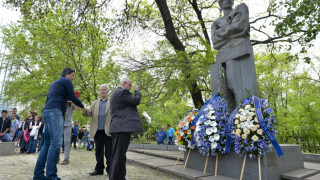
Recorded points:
(253,129)
(210,133)
(184,132)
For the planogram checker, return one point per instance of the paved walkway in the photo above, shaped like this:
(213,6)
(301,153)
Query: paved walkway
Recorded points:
(21,166)
(143,164)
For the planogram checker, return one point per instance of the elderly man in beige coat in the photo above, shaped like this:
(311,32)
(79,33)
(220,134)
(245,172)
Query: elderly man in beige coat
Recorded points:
(99,129)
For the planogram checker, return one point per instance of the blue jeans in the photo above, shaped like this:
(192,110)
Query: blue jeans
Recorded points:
(50,151)
(6,138)
(32,145)
(41,142)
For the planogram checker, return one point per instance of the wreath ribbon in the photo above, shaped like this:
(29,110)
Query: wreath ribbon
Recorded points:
(265,128)
(229,129)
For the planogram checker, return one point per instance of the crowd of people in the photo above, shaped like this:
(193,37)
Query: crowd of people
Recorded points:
(28,133)
(112,122)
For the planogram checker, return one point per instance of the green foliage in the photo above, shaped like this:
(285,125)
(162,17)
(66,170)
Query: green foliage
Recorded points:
(302,18)
(78,33)
(40,48)
(294,96)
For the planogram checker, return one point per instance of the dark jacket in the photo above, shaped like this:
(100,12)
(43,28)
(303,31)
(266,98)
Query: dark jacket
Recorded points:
(4,124)
(59,92)
(124,112)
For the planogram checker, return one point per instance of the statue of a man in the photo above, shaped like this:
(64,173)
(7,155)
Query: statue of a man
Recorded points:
(231,37)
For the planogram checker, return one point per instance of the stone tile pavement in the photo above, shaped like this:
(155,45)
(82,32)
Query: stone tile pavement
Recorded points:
(21,166)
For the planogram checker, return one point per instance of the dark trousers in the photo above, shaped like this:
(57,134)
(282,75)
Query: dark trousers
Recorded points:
(24,145)
(74,141)
(120,143)
(103,148)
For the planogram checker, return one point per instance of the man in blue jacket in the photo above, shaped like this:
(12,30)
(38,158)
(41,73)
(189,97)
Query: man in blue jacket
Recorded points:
(52,114)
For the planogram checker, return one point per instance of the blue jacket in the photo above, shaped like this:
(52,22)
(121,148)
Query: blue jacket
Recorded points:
(59,92)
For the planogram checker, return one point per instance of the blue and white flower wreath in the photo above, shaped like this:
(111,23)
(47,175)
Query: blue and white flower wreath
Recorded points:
(210,132)
(251,120)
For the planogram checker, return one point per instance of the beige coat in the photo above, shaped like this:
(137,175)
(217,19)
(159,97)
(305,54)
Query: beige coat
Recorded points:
(93,112)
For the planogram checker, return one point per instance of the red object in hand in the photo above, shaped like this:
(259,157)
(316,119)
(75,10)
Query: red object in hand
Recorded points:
(77,93)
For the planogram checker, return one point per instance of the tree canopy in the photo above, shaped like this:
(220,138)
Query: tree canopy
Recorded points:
(173,73)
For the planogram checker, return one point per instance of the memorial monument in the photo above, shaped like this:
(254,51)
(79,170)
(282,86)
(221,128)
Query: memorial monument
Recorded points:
(234,78)
(234,75)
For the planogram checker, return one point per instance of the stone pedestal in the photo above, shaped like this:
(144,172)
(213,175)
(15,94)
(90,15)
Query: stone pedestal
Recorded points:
(6,148)
(230,164)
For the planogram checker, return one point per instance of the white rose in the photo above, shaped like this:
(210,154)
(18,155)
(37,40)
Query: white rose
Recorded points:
(238,131)
(214,145)
(255,138)
(251,113)
(237,116)
(256,119)
(244,136)
(216,137)
(238,134)
(249,117)
(207,122)
(253,128)
(213,124)
(246,131)
(238,126)
(260,131)
(214,129)
(211,138)
(242,118)
(253,109)
(237,122)
(208,131)
(257,126)
(248,106)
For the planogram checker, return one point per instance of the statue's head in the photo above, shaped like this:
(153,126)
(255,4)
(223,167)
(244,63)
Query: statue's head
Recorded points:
(226,3)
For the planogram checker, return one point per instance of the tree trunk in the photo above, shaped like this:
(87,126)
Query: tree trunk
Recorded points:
(172,37)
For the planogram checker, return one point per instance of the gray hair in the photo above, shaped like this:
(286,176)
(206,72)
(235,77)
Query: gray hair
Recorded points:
(106,85)
(124,80)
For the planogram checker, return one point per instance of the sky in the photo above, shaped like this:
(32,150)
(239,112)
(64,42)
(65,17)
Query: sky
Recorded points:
(256,8)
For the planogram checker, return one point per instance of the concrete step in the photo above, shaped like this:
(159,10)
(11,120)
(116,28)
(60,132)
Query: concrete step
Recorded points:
(299,174)
(160,153)
(165,161)
(314,177)
(7,148)
(216,178)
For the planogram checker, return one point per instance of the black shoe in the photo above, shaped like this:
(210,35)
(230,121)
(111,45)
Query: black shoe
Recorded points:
(95,173)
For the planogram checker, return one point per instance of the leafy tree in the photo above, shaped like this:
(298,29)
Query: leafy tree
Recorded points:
(294,96)
(40,48)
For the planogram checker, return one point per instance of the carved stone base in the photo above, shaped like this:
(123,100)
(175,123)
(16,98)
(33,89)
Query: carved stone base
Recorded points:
(230,164)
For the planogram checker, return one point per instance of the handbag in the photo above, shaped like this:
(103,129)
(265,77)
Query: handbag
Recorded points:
(26,135)
(34,131)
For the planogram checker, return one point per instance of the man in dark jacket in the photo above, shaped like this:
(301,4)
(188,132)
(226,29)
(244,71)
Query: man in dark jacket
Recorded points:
(124,120)
(4,127)
(59,92)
